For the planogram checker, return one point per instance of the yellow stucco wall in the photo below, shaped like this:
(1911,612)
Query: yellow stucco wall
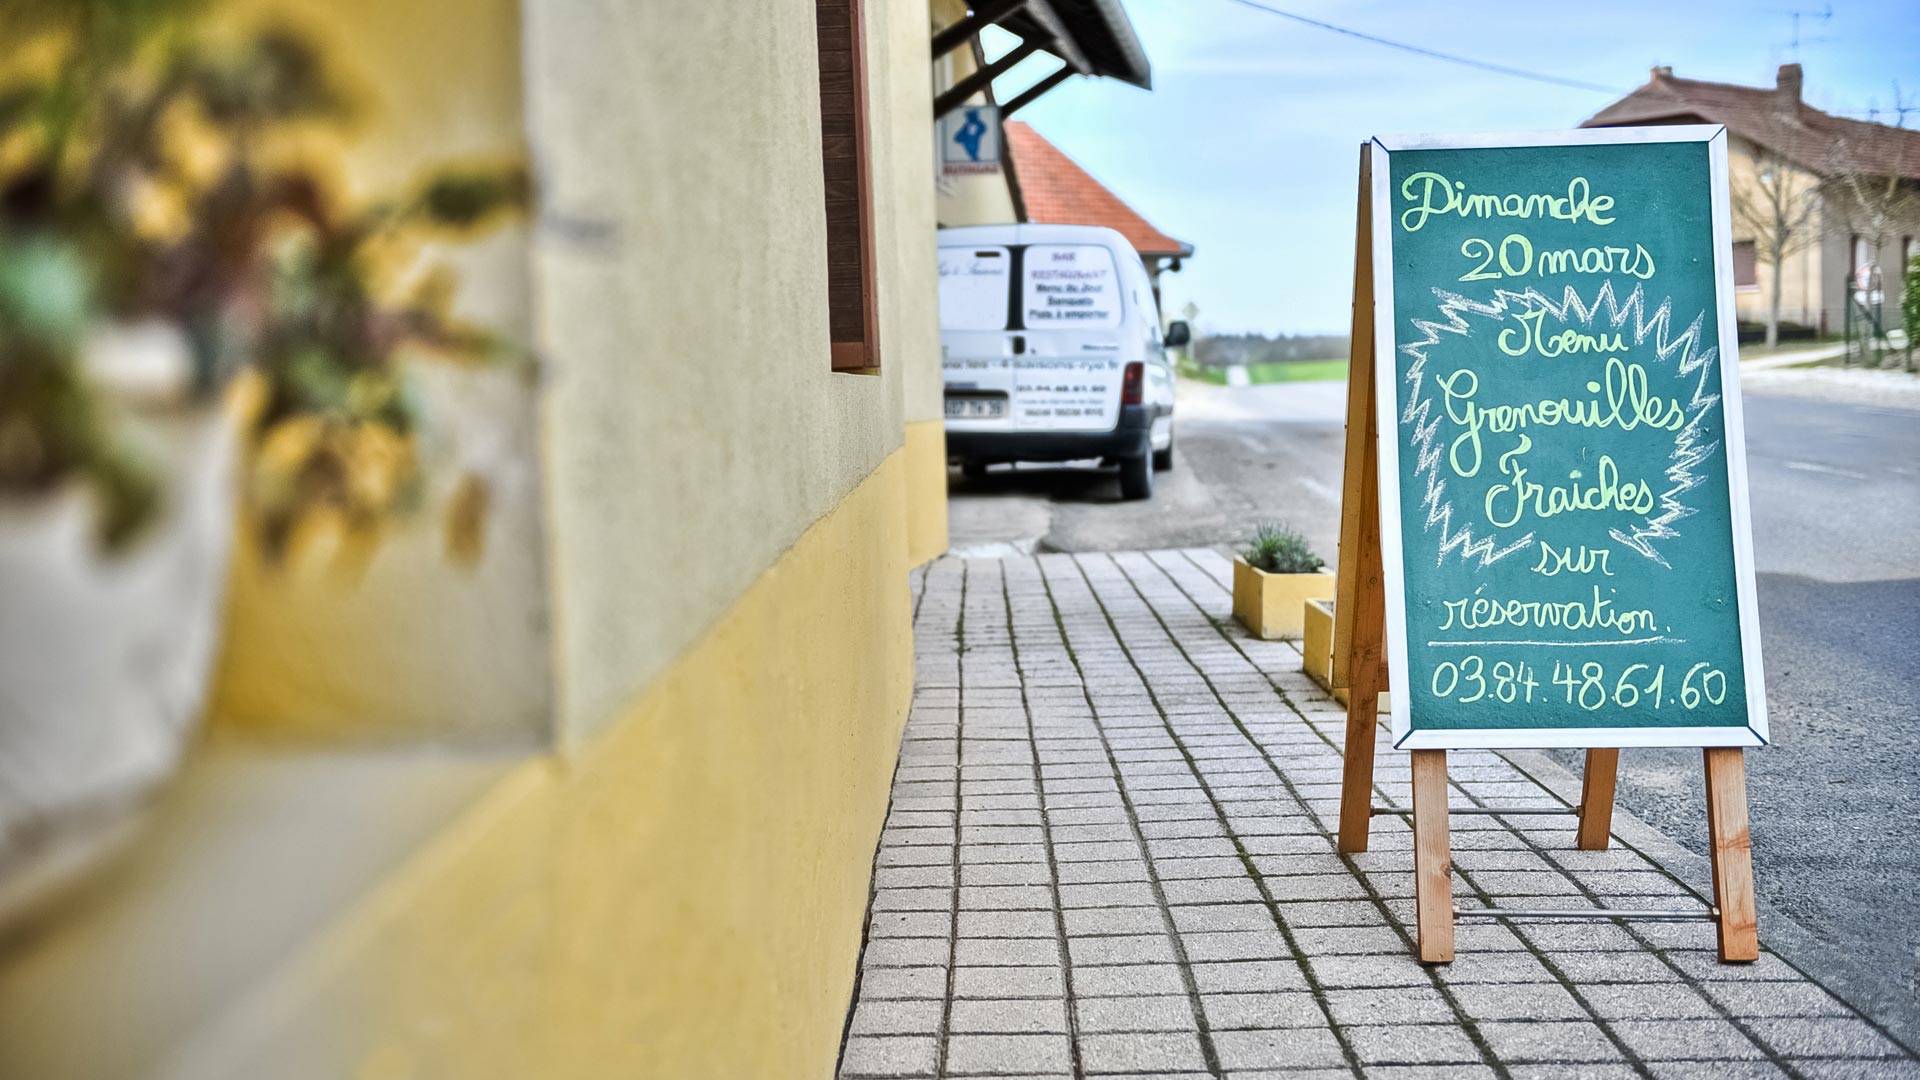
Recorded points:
(686,900)
(683,899)
(693,426)
(926,490)
(708,588)
(728,527)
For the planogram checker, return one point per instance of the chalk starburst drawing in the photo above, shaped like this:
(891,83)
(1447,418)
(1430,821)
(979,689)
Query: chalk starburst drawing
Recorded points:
(1459,316)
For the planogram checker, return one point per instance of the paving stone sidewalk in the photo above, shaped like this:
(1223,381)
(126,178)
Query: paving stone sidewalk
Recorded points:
(1109,854)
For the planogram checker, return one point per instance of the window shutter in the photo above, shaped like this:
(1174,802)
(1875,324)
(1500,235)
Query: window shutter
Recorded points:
(846,163)
(1745,264)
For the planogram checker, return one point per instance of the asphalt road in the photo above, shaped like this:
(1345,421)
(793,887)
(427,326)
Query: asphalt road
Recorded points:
(1835,481)
(1835,488)
(1241,456)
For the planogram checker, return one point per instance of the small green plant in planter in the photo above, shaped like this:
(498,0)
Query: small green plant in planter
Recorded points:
(1273,579)
(1277,549)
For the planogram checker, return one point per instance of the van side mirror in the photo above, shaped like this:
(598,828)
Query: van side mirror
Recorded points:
(1178,334)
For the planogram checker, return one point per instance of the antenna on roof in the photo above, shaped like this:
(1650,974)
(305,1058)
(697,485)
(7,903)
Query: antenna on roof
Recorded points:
(1825,14)
(1902,105)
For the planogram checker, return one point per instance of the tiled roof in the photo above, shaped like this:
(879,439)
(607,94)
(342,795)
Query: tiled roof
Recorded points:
(1816,140)
(1058,192)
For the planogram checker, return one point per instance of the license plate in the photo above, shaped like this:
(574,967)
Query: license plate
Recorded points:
(982,408)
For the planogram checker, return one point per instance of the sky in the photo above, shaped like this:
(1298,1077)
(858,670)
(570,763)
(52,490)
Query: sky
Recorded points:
(1247,147)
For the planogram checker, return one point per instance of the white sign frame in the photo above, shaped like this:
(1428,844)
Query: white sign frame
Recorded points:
(1386,376)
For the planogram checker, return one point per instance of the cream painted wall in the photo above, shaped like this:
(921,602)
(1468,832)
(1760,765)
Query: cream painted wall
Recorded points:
(693,428)
(416,647)
(910,260)
(975,200)
(1831,259)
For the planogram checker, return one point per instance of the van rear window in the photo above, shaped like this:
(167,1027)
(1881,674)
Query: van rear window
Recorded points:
(973,288)
(1070,285)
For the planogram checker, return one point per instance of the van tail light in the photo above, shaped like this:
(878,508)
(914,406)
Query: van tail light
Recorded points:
(1131,381)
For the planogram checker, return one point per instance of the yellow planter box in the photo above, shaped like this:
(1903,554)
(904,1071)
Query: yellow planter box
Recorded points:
(1316,652)
(1316,642)
(1383,705)
(1271,606)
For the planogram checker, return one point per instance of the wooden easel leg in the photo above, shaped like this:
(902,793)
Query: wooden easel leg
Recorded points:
(1596,800)
(1356,770)
(1432,858)
(1732,854)
(1363,604)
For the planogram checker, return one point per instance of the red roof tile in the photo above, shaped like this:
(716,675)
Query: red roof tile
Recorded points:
(1816,140)
(1058,192)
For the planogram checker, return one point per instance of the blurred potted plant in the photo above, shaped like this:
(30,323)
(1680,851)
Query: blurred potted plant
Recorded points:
(1273,578)
(115,454)
(333,456)
(150,248)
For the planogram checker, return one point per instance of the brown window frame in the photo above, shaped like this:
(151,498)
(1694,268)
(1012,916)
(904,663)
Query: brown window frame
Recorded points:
(1750,264)
(846,165)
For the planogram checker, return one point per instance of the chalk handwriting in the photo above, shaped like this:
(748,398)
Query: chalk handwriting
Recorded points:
(1431,193)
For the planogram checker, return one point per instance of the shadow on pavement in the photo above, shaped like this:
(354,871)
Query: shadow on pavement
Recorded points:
(1066,483)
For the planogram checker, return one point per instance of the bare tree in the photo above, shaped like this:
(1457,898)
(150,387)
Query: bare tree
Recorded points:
(1875,198)
(1779,207)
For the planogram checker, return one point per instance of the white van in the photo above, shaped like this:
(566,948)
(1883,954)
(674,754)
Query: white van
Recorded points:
(1051,344)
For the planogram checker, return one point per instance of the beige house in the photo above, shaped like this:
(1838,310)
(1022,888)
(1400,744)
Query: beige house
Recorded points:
(1839,198)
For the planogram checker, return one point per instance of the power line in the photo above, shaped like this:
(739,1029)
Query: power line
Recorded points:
(1465,61)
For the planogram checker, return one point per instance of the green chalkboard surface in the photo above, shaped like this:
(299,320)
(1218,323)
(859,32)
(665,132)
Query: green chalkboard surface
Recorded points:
(1564,524)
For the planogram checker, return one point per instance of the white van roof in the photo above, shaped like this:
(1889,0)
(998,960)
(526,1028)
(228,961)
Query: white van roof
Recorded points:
(980,235)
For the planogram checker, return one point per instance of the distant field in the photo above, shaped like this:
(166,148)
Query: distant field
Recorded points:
(1754,350)
(1298,371)
(1292,371)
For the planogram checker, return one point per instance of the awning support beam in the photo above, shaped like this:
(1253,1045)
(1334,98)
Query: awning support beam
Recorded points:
(982,15)
(1027,96)
(980,80)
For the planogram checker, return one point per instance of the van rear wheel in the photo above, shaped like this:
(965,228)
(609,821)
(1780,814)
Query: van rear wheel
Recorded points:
(973,470)
(1136,476)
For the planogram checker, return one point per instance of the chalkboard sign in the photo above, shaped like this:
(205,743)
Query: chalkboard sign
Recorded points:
(1564,529)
